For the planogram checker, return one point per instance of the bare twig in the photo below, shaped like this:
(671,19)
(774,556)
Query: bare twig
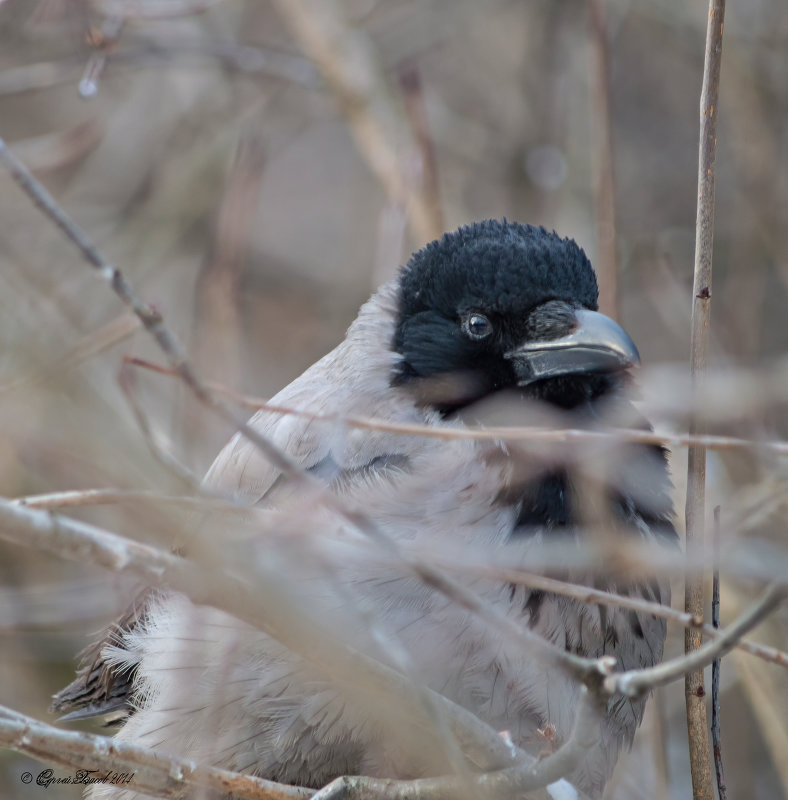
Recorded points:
(635,682)
(249,600)
(694,691)
(77,540)
(508,433)
(152,50)
(59,149)
(161,775)
(100,497)
(716,736)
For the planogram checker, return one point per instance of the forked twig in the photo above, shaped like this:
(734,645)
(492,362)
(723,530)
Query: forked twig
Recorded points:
(636,682)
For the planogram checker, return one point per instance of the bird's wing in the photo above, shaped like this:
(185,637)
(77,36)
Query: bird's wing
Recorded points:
(351,381)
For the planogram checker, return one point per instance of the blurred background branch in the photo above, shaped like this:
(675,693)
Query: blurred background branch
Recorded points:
(255,180)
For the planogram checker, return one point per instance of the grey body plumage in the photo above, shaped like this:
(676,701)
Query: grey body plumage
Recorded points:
(473,316)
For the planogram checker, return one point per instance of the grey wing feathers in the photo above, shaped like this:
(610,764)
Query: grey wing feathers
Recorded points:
(351,380)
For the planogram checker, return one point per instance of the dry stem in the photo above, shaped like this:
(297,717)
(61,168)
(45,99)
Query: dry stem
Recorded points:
(694,691)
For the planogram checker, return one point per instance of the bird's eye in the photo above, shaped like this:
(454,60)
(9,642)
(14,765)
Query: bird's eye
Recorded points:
(477,326)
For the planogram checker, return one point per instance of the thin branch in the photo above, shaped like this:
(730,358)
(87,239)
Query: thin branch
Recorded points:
(635,682)
(716,735)
(79,541)
(216,327)
(694,691)
(508,433)
(151,772)
(749,560)
(80,498)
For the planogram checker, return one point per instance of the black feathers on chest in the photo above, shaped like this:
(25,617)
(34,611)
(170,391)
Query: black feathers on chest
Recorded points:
(545,504)
(550,504)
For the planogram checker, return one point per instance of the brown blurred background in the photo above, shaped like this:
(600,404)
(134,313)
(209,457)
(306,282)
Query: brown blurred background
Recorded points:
(200,146)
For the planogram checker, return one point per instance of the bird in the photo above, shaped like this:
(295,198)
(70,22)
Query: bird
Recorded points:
(495,320)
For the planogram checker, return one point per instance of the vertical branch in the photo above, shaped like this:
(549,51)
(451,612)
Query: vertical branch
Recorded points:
(694,690)
(604,189)
(716,735)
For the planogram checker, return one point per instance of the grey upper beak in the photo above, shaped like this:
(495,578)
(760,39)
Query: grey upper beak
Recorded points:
(597,344)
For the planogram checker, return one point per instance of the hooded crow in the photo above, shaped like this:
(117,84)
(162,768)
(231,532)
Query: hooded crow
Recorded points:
(494,320)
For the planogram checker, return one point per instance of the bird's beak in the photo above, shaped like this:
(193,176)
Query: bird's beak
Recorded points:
(596,344)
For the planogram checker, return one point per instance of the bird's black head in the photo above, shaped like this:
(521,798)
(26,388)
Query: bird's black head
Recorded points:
(500,305)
